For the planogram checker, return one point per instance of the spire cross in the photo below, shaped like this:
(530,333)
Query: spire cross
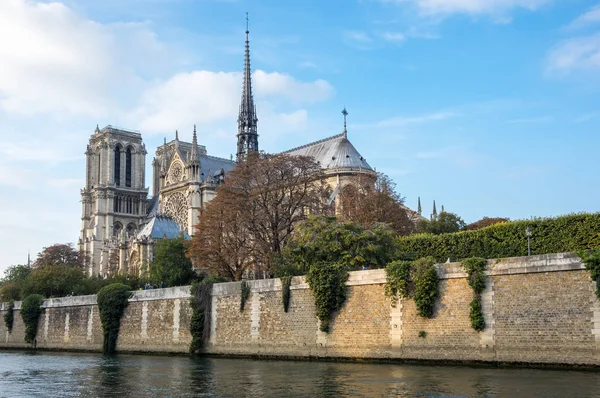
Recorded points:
(345,113)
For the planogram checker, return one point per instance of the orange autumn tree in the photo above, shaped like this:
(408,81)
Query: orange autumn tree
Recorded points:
(374,203)
(255,212)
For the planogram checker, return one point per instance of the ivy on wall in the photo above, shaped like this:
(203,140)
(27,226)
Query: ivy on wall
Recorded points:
(591,260)
(548,235)
(327,282)
(286,283)
(9,317)
(245,293)
(112,301)
(414,279)
(31,308)
(397,281)
(475,267)
(201,308)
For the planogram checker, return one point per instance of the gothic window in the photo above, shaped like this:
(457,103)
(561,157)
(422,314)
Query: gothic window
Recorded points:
(117,229)
(130,230)
(118,165)
(175,172)
(176,208)
(128,167)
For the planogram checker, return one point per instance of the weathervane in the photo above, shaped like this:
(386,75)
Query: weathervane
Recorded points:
(345,113)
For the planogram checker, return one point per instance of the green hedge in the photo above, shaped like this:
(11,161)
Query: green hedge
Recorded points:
(548,235)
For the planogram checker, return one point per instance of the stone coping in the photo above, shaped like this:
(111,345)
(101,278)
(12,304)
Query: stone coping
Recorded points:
(504,266)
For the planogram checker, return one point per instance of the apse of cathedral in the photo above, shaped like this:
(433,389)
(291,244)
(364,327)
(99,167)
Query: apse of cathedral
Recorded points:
(120,223)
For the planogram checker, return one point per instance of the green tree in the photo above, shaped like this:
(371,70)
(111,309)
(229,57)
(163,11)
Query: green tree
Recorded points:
(11,284)
(171,265)
(322,239)
(55,281)
(444,223)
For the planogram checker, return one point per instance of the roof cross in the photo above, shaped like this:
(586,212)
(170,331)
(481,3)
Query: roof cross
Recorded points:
(345,113)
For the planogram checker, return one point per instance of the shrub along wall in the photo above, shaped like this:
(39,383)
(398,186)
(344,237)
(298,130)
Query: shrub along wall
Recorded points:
(548,235)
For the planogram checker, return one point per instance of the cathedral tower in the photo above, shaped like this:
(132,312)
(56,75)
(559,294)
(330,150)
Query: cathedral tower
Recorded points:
(114,198)
(247,136)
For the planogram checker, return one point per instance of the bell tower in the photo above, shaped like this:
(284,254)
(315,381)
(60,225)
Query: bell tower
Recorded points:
(114,197)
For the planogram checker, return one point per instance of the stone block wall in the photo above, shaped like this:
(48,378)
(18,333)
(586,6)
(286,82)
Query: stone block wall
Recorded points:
(538,309)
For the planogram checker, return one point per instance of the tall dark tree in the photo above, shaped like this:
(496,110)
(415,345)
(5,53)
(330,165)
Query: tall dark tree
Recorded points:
(371,203)
(170,264)
(255,212)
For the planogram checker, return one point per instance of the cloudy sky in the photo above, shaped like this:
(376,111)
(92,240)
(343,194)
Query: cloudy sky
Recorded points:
(491,107)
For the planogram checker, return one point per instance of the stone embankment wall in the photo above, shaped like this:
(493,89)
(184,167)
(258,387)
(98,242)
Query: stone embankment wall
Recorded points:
(538,309)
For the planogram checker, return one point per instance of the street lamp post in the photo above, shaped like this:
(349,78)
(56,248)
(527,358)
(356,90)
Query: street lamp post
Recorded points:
(528,233)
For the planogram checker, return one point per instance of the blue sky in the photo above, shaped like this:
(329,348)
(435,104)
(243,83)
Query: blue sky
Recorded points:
(490,107)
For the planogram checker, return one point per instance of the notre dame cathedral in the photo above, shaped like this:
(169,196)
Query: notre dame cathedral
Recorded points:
(120,223)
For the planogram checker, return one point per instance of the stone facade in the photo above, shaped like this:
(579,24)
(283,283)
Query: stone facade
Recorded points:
(538,309)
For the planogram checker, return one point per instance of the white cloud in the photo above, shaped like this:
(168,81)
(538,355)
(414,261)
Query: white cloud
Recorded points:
(393,36)
(589,18)
(409,120)
(470,7)
(204,98)
(54,60)
(580,53)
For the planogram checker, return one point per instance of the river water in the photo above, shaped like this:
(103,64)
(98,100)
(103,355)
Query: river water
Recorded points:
(25,374)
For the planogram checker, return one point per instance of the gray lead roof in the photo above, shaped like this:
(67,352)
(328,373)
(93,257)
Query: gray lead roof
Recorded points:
(333,153)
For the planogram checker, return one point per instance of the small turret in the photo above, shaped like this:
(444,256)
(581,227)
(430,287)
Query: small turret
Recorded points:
(194,160)
(419,210)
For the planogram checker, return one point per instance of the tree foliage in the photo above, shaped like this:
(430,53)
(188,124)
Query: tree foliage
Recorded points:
(327,283)
(55,281)
(591,260)
(11,284)
(112,301)
(59,254)
(255,212)
(171,264)
(31,308)
(486,222)
(371,203)
(549,235)
(398,280)
(444,223)
(324,239)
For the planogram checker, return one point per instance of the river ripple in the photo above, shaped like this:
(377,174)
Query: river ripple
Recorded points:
(25,374)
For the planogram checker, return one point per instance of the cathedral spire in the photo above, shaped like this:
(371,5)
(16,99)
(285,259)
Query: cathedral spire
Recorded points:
(247,121)
(176,135)
(419,210)
(434,214)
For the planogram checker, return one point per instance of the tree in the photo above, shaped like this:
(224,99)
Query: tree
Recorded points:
(10,285)
(222,244)
(486,222)
(444,223)
(170,264)
(55,281)
(375,203)
(255,212)
(60,254)
(325,240)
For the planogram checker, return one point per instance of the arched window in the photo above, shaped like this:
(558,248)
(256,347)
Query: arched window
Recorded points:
(117,229)
(118,165)
(128,167)
(130,230)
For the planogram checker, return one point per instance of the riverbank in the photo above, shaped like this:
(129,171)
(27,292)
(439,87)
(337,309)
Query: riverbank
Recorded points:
(539,311)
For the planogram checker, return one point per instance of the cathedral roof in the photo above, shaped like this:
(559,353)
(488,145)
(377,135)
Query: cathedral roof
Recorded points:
(214,164)
(333,153)
(159,227)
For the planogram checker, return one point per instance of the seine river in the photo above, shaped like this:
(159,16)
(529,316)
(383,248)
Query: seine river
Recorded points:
(86,375)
